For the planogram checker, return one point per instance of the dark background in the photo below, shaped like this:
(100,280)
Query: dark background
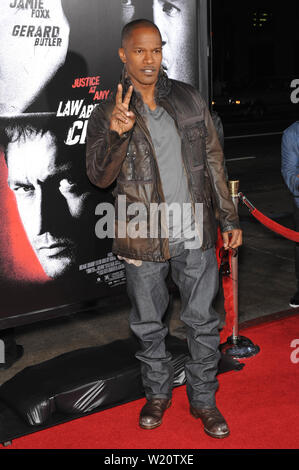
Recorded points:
(255,58)
(255,38)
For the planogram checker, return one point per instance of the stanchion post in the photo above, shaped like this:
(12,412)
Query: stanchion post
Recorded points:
(234,190)
(237,346)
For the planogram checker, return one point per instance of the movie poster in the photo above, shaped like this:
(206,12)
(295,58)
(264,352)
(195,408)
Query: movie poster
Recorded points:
(59,60)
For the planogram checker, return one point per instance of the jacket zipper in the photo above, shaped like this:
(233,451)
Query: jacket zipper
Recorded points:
(185,171)
(191,197)
(155,170)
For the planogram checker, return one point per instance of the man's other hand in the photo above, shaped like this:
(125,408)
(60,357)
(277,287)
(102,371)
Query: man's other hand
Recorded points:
(232,239)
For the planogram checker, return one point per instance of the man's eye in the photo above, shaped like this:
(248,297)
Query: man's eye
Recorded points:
(126,3)
(170,9)
(23,190)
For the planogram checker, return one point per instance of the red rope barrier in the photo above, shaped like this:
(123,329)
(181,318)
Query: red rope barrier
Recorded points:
(227,281)
(269,223)
(275,227)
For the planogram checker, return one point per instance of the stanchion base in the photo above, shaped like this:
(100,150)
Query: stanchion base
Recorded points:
(239,347)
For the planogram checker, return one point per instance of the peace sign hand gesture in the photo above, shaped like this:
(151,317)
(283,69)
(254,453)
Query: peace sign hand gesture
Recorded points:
(122,120)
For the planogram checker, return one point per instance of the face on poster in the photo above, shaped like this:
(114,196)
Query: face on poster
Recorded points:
(54,209)
(176,21)
(53,196)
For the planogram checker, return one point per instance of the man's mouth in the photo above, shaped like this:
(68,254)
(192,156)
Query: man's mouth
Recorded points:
(148,71)
(55,249)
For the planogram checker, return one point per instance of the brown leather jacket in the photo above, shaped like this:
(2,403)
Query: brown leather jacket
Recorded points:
(131,161)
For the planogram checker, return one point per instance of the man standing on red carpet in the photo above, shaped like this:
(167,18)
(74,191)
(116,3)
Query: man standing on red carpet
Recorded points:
(155,137)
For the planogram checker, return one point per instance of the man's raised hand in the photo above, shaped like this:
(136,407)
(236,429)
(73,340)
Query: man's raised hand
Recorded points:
(122,120)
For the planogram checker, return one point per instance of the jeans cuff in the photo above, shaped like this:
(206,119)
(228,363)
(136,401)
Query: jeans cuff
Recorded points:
(201,405)
(159,395)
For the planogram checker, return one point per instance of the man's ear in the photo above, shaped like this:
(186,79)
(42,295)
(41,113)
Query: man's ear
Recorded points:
(122,55)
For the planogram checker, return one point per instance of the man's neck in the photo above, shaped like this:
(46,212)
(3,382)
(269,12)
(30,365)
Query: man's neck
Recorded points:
(147,93)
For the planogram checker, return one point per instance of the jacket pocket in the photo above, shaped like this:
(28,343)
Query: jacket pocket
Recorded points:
(136,167)
(196,141)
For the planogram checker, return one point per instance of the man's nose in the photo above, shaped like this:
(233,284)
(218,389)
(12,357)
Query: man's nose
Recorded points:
(49,219)
(148,58)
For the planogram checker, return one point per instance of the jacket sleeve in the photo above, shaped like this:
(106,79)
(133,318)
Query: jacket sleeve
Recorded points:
(228,217)
(105,149)
(290,158)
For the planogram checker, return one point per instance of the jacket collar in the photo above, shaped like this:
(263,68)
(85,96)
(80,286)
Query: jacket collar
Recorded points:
(162,89)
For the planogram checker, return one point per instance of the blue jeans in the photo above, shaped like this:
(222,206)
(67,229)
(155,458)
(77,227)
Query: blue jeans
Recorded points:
(195,272)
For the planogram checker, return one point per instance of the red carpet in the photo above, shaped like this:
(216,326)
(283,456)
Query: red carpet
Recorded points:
(259,402)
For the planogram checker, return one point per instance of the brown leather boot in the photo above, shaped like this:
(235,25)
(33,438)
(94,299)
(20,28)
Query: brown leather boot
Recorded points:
(213,421)
(152,413)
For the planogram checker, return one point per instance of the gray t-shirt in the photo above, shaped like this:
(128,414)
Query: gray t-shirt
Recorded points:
(167,144)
